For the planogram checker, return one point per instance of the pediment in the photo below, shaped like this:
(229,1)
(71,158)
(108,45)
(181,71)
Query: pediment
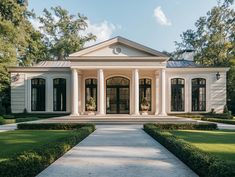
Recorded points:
(118,47)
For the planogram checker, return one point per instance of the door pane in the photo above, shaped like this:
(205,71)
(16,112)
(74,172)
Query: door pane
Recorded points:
(124,100)
(111,100)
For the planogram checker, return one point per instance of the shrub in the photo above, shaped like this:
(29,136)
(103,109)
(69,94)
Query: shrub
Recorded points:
(204,164)
(6,121)
(30,163)
(52,126)
(200,126)
(26,119)
(226,121)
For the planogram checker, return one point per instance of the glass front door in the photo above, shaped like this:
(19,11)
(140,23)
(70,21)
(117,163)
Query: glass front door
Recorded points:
(117,96)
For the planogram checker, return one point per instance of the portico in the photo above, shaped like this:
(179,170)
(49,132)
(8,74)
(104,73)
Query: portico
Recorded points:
(79,76)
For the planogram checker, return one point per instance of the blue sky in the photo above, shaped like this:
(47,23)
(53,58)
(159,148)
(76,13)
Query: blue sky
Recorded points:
(154,23)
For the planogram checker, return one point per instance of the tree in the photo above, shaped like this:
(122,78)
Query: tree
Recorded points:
(19,42)
(63,33)
(214,42)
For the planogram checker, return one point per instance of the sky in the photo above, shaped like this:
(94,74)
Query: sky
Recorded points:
(154,23)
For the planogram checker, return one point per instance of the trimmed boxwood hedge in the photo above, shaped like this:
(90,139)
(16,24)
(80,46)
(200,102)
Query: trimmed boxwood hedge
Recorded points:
(30,163)
(204,164)
(188,126)
(226,121)
(52,126)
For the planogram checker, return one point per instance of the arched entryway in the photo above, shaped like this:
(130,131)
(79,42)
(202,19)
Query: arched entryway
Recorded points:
(117,95)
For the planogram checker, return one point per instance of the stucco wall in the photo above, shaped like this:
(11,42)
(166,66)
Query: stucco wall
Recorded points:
(215,89)
(21,90)
(18,92)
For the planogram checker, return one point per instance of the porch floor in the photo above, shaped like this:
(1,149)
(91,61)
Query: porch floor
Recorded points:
(117,119)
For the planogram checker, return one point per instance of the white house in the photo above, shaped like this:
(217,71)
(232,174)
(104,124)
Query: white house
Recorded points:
(118,74)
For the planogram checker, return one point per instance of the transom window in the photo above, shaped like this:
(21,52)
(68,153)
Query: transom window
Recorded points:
(198,94)
(91,90)
(38,94)
(177,94)
(145,91)
(59,94)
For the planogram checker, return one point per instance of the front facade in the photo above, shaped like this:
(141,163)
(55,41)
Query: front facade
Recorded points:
(118,74)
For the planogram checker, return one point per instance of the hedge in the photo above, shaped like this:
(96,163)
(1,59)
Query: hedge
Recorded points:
(204,164)
(52,126)
(206,115)
(30,163)
(226,121)
(200,126)
(26,119)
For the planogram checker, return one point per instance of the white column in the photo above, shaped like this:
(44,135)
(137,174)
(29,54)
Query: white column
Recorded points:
(74,93)
(135,77)
(79,93)
(157,87)
(100,74)
(163,92)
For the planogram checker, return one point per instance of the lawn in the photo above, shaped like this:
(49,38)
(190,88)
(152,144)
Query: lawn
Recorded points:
(220,143)
(17,141)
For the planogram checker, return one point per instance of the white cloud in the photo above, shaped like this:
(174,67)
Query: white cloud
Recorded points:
(102,31)
(161,17)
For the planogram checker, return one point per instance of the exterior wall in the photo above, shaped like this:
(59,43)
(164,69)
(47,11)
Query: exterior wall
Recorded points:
(218,92)
(21,91)
(215,90)
(18,92)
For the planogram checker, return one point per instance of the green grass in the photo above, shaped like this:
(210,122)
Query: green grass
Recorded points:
(220,143)
(13,142)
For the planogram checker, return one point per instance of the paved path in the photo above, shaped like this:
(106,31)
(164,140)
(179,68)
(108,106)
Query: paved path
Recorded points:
(118,151)
(7,127)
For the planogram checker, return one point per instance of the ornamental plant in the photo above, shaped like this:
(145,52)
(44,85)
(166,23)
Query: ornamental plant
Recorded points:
(91,105)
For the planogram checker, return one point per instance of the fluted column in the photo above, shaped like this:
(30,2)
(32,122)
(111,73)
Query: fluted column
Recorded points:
(163,92)
(135,77)
(74,93)
(100,74)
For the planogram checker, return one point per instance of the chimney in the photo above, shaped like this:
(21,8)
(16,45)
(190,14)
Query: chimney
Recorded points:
(187,54)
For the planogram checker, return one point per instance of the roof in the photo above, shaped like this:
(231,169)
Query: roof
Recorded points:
(61,64)
(119,40)
(182,64)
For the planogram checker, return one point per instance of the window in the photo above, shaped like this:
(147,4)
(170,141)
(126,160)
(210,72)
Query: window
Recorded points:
(198,94)
(38,94)
(59,94)
(177,94)
(91,90)
(145,91)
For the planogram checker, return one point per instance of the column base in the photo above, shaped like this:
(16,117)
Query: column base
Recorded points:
(162,114)
(74,115)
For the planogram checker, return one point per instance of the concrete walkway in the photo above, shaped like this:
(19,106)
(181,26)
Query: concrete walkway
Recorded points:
(8,127)
(118,151)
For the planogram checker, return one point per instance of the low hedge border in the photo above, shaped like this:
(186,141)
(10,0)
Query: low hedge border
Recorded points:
(204,164)
(189,126)
(52,126)
(225,121)
(30,163)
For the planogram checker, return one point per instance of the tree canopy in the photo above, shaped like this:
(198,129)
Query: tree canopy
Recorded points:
(213,39)
(63,33)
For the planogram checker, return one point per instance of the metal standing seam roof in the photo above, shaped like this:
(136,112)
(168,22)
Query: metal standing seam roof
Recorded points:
(61,64)
(182,64)
(170,64)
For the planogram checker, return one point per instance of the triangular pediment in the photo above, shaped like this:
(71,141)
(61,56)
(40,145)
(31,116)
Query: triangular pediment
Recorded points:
(118,46)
